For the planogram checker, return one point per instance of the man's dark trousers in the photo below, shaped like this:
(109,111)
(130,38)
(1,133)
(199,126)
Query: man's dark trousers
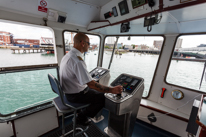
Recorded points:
(94,98)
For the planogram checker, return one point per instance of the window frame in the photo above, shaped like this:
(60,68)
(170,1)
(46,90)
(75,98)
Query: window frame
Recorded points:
(156,68)
(169,63)
(84,33)
(39,105)
(45,103)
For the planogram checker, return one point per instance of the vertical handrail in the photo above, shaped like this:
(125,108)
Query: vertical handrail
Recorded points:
(202,75)
(113,53)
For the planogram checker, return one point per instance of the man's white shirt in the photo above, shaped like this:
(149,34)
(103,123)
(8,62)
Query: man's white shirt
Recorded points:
(73,72)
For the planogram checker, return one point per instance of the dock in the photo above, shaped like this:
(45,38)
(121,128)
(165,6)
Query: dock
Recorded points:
(29,50)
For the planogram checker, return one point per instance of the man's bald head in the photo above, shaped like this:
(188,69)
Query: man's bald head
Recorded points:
(80,37)
(81,42)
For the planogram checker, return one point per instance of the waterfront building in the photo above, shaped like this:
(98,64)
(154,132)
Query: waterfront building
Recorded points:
(110,46)
(157,44)
(119,45)
(202,45)
(128,47)
(110,40)
(143,46)
(93,46)
(5,38)
(30,42)
(48,41)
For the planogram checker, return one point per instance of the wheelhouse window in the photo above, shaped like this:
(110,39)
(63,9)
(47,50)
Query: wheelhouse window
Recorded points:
(187,63)
(135,55)
(90,57)
(26,51)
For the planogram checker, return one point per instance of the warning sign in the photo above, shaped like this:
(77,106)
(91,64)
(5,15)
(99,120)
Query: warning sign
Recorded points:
(42,5)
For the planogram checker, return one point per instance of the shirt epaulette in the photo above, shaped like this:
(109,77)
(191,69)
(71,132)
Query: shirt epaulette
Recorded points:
(80,58)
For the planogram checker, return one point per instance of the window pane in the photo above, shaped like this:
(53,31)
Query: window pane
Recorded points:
(188,62)
(132,57)
(21,89)
(91,56)
(24,45)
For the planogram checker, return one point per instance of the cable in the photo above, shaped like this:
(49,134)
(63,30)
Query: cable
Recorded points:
(171,111)
(158,20)
(149,27)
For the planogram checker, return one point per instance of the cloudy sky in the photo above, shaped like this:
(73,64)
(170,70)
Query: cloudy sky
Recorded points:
(23,31)
(36,32)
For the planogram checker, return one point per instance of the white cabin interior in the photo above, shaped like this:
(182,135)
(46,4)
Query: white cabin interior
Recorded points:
(179,17)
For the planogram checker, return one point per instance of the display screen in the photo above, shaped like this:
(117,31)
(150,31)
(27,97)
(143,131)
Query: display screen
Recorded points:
(123,7)
(128,82)
(114,10)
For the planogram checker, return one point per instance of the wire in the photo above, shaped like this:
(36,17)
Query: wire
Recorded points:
(158,20)
(170,111)
(149,27)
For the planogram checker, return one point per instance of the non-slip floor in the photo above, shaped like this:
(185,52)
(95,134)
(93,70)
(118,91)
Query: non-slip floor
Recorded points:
(141,129)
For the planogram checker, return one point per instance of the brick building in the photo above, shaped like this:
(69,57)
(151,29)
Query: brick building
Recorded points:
(30,42)
(93,46)
(5,38)
(158,44)
(143,46)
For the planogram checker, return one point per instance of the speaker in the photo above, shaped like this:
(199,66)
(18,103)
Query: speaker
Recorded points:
(57,16)
(61,19)
(125,27)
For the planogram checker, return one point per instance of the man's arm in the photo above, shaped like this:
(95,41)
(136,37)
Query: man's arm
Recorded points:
(96,86)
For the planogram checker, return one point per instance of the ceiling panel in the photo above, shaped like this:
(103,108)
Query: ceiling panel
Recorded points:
(79,14)
(94,2)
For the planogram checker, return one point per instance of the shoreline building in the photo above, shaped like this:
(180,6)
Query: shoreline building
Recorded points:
(110,40)
(26,42)
(6,38)
(157,44)
(44,41)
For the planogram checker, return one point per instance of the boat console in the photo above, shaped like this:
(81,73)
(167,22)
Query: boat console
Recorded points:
(123,108)
(101,75)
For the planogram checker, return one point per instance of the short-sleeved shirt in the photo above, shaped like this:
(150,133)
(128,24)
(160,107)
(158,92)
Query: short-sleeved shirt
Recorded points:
(73,72)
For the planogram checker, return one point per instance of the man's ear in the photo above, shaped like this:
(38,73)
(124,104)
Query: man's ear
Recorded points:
(82,43)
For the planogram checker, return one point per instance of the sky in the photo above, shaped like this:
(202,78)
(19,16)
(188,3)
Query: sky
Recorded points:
(138,40)
(32,32)
(27,32)
(193,41)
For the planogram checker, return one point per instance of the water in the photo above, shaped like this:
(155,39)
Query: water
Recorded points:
(9,59)
(21,89)
(141,65)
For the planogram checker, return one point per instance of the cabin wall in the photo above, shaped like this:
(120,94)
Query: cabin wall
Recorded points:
(6,130)
(132,12)
(159,83)
(164,122)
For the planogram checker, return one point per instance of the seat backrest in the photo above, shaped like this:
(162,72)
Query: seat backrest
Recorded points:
(56,87)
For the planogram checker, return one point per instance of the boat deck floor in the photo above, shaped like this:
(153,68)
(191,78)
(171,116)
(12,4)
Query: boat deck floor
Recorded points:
(141,129)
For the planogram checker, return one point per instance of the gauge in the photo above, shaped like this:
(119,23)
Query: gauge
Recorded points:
(177,94)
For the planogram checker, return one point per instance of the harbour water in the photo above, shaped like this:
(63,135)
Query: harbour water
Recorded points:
(21,89)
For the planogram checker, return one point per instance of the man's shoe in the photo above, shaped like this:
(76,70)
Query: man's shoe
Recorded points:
(82,120)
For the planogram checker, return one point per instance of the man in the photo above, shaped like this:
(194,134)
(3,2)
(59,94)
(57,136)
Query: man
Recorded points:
(78,85)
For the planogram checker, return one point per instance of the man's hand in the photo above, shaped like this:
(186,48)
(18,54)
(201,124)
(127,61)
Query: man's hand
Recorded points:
(117,89)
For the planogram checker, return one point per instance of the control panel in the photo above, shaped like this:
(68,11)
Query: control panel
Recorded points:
(130,86)
(101,75)
(128,82)
(137,3)
(123,108)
